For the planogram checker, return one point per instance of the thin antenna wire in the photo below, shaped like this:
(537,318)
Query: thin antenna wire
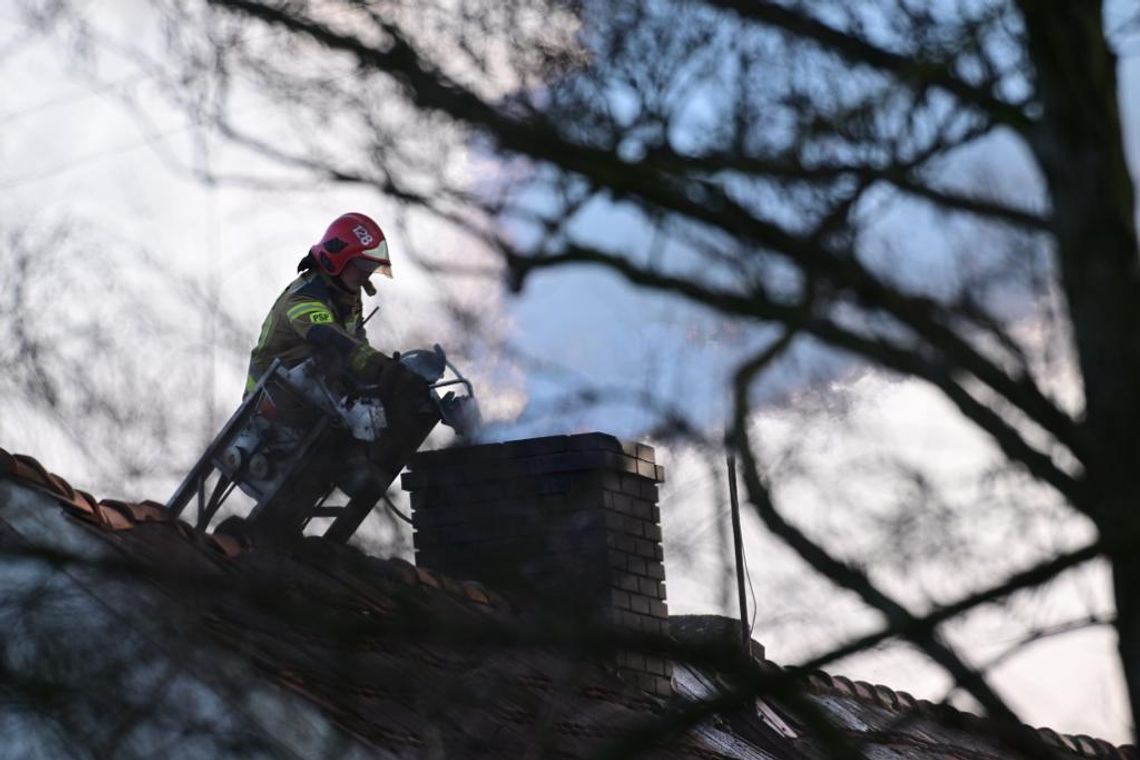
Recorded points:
(738,547)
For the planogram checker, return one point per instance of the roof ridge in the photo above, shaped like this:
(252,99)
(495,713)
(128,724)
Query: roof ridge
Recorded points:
(117,515)
(902,702)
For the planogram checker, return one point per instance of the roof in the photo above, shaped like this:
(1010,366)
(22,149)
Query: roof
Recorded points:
(398,661)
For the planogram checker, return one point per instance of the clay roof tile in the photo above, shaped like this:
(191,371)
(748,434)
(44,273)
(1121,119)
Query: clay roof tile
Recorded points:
(427,578)
(403,571)
(1051,737)
(886,697)
(1088,746)
(29,469)
(475,592)
(226,544)
(114,515)
(843,684)
(148,511)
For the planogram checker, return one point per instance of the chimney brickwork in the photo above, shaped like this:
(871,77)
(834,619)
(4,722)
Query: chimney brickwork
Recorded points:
(568,524)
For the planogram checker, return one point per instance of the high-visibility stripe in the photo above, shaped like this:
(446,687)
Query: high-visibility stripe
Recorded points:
(309,307)
(266,330)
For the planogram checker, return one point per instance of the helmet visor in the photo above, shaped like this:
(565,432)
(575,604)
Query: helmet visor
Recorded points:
(374,260)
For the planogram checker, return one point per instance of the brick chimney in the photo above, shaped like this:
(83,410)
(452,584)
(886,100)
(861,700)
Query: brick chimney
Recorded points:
(568,525)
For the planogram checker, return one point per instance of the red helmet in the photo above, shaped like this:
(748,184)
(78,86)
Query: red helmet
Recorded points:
(352,236)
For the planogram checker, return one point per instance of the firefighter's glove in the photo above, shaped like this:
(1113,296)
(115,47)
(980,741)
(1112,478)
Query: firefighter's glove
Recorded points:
(411,384)
(397,380)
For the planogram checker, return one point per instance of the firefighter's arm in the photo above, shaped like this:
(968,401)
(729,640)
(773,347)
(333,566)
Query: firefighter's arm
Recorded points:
(314,322)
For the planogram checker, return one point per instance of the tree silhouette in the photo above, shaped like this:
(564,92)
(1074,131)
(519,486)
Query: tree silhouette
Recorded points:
(940,192)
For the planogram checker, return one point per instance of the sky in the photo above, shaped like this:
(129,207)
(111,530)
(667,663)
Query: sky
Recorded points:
(70,148)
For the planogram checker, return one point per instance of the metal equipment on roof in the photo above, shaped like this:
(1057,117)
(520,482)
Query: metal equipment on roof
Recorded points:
(291,468)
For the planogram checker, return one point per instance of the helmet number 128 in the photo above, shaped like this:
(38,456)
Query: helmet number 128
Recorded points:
(363,235)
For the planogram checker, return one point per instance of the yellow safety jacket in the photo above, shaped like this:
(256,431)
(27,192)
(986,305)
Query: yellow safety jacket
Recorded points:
(316,316)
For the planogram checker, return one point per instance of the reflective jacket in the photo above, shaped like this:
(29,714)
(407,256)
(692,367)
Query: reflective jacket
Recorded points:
(316,316)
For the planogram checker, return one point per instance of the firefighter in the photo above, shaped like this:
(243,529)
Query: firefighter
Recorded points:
(319,316)
(319,313)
